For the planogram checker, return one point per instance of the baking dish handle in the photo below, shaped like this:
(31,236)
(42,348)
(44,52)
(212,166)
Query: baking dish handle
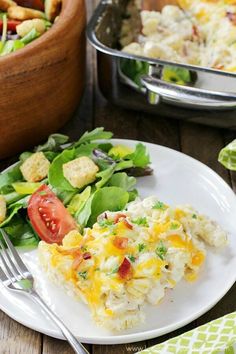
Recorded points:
(192,97)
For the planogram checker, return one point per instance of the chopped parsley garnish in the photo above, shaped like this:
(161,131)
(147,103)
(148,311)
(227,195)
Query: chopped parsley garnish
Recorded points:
(141,247)
(132,258)
(141,222)
(115,270)
(161,250)
(174,226)
(160,206)
(83,274)
(194,216)
(105,222)
(84,248)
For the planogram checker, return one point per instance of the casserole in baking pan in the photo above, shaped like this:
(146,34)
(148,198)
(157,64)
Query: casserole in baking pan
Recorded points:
(154,81)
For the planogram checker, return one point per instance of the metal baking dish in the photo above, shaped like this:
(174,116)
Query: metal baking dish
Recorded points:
(210,98)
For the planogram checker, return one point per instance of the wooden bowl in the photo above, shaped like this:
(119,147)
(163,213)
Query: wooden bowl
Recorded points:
(41,84)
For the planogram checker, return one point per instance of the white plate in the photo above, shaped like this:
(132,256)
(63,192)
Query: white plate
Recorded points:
(177,179)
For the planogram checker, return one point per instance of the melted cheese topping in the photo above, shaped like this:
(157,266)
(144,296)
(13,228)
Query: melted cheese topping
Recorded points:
(158,245)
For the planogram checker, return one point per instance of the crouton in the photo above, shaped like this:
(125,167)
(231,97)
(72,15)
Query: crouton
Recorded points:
(23,13)
(52,9)
(26,26)
(5,4)
(35,168)
(80,172)
(3,209)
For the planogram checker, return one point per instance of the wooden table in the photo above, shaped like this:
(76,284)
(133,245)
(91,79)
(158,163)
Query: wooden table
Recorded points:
(200,142)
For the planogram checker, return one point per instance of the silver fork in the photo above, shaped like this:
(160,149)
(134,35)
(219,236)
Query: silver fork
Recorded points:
(15,276)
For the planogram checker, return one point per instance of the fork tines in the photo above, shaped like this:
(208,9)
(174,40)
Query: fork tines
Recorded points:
(12,268)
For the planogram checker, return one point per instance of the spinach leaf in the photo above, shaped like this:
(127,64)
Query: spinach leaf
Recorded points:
(124,164)
(122,180)
(10,176)
(95,134)
(140,157)
(85,150)
(107,198)
(108,166)
(105,147)
(21,232)
(84,213)
(105,176)
(12,197)
(13,210)
(50,155)
(64,196)
(55,174)
(78,201)
(53,144)
(133,195)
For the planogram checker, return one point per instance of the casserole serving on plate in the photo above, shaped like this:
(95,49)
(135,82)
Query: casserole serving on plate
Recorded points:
(153,84)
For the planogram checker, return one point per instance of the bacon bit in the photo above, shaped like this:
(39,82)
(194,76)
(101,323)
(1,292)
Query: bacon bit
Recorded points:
(87,255)
(195,31)
(122,217)
(231,16)
(125,270)
(127,224)
(77,261)
(120,242)
(118,217)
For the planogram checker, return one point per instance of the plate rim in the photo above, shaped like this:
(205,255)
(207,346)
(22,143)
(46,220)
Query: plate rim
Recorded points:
(148,334)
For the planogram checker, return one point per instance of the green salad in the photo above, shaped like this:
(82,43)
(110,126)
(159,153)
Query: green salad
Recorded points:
(23,21)
(64,185)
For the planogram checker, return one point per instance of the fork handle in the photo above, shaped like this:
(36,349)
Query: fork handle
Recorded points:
(75,344)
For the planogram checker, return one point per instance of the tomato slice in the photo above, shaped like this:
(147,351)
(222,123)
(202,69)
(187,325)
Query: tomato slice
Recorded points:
(48,216)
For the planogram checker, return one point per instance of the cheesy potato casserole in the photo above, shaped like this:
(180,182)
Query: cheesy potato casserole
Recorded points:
(198,32)
(130,258)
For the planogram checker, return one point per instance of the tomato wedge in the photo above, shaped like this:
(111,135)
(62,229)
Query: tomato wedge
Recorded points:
(48,216)
(11,25)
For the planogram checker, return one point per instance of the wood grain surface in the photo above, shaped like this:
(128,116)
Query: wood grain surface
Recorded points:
(201,142)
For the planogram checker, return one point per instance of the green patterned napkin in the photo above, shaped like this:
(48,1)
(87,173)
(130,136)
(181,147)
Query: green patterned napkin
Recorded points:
(216,337)
(227,156)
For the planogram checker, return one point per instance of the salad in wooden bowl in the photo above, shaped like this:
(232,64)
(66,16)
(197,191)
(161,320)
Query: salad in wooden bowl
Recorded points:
(42,82)
(23,21)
